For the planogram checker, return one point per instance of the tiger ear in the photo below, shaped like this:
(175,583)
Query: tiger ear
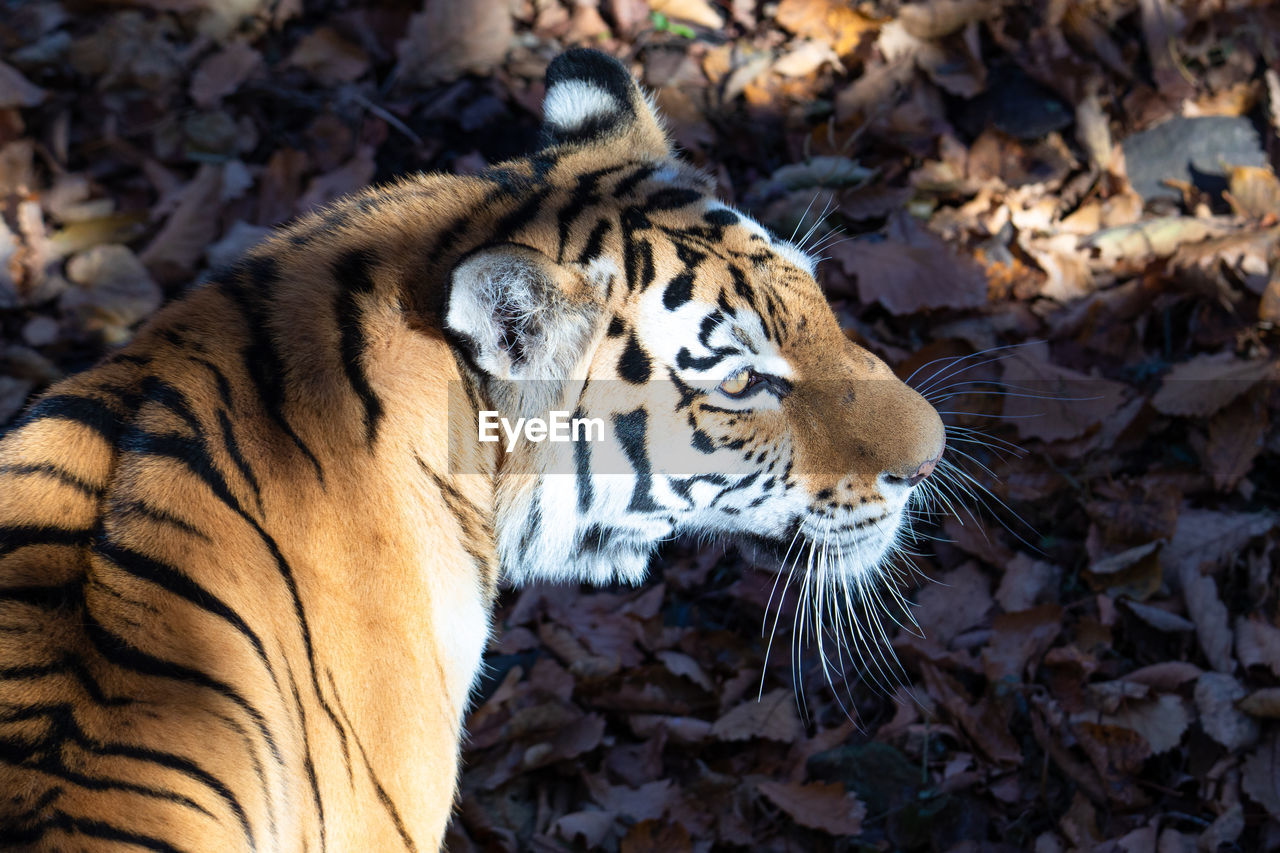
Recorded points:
(593,100)
(520,314)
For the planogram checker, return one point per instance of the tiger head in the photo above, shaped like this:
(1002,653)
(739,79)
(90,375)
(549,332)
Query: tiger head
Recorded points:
(620,290)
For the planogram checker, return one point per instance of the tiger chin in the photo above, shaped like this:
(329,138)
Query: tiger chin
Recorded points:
(247,563)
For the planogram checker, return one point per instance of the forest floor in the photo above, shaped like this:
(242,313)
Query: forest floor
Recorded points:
(1065,215)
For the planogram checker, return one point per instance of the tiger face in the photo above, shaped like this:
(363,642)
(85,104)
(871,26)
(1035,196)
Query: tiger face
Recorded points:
(731,402)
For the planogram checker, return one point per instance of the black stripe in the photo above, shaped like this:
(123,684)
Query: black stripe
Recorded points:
(91,829)
(233,450)
(47,469)
(13,537)
(637,261)
(46,597)
(584,195)
(262,360)
(686,361)
(307,763)
(185,587)
(118,652)
(678,291)
(353,271)
(507,227)
(383,796)
(631,429)
(187,768)
(76,670)
(224,387)
(595,241)
(193,454)
(82,410)
(634,366)
(582,467)
(46,755)
(630,182)
(462,509)
(671,198)
(161,516)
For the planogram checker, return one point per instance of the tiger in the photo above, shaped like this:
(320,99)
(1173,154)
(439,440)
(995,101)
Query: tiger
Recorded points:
(248,562)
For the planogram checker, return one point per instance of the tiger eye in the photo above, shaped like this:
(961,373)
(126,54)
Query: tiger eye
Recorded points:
(737,383)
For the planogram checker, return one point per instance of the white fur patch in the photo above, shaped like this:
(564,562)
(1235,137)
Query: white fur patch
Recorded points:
(573,103)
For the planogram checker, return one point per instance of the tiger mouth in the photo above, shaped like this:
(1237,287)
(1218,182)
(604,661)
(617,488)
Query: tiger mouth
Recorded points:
(772,552)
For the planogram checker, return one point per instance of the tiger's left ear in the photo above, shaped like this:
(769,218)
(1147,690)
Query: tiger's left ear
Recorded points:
(520,314)
(593,100)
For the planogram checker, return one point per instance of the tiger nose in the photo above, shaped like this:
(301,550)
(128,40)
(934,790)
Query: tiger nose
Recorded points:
(924,470)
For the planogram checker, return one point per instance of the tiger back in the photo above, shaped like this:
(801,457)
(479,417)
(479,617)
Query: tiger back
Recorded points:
(247,563)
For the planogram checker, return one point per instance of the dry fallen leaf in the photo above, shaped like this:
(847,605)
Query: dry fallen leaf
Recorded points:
(1261,776)
(448,39)
(330,58)
(221,74)
(698,12)
(1263,703)
(1258,644)
(819,805)
(16,90)
(1254,191)
(1216,696)
(911,270)
(1204,384)
(1210,617)
(1162,722)
(113,292)
(1055,403)
(838,24)
(772,717)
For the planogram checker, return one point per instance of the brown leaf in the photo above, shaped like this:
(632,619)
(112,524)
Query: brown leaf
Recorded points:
(1261,776)
(1236,437)
(329,58)
(654,836)
(911,270)
(1020,638)
(1162,721)
(1027,582)
(1254,191)
(16,90)
(838,24)
(1210,617)
(1262,703)
(647,802)
(1069,404)
(985,723)
(351,176)
(960,600)
(819,805)
(114,292)
(1158,618)
(1258,644)
(1214,538)
(772,717)
(1216,695)
(698,12)
(173,252)
(934,19)
(1115,751)
(1204,384)
(590,827)
(450,38)
(222,73)
(1166,675)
